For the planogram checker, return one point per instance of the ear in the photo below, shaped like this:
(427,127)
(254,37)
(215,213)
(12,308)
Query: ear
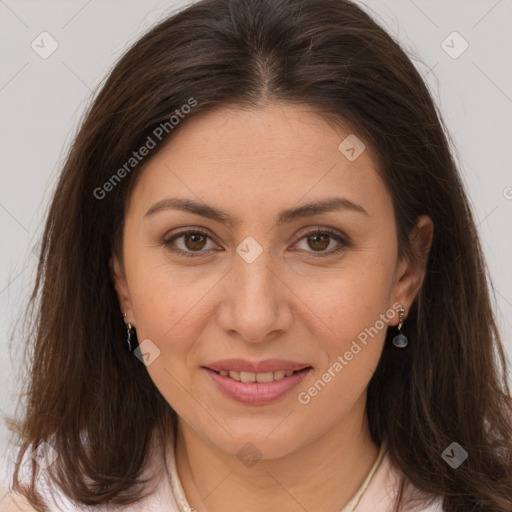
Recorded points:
(412,268)
(121,286)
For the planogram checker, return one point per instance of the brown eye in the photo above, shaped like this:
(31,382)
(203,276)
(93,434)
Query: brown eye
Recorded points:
(318,242)
(191,241)
(194,241)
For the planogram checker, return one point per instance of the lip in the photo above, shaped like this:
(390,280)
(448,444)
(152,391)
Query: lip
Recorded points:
(244,365)
(257,393)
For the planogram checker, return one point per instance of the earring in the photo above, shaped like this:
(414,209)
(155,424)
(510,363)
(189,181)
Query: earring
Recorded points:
(131,339)
(400,340)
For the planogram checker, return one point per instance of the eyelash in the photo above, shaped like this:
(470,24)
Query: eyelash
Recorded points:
(332,233)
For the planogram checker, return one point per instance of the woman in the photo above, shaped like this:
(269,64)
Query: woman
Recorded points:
(261,286)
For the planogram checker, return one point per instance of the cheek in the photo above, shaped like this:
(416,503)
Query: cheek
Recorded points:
(354,315)
(349,298)
(161,292)
(351,309)
(167,307)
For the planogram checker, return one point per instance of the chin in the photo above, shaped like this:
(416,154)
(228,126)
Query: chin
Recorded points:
(257,441)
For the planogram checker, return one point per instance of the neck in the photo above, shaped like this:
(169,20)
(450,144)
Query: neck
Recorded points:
(321,476)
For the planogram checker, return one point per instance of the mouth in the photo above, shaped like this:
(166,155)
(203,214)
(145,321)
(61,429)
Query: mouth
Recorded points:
(260,377)
(256,383)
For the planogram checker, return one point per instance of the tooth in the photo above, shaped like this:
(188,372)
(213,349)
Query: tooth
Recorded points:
(247,376)
(234,375)
(265,377)
(256,377)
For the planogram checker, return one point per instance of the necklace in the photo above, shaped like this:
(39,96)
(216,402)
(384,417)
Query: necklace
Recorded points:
(181,500)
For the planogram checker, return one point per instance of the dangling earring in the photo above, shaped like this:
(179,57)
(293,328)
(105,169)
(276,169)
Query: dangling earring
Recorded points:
(131,339)
(400,340)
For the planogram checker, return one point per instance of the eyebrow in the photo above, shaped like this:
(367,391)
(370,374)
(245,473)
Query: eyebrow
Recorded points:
(286,216)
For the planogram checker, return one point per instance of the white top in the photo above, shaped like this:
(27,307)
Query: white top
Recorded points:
(376,493)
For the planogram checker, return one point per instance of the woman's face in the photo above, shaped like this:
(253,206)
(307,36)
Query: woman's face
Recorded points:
(259,285)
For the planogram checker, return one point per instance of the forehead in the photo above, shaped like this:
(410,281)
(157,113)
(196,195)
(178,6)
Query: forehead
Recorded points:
(255,157)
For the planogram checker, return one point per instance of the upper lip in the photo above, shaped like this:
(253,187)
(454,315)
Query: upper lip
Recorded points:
(244,365)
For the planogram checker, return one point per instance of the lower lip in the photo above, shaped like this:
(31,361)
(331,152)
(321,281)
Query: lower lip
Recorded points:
(256,393)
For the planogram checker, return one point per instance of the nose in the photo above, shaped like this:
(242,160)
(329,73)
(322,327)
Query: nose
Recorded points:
(255,303)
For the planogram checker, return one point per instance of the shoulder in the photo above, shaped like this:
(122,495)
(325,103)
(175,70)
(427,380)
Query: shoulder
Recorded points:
(14,502)
(159,496)
(383,488)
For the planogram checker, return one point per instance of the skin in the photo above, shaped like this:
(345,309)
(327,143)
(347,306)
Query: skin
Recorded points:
(289,303)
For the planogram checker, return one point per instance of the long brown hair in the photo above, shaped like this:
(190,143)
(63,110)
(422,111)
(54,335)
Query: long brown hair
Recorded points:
(95,403)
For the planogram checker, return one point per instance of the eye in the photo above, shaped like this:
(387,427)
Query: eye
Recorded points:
(193,241)
(320,239)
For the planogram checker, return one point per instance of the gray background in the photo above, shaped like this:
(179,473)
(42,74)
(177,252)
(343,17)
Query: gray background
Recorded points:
(41,101)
